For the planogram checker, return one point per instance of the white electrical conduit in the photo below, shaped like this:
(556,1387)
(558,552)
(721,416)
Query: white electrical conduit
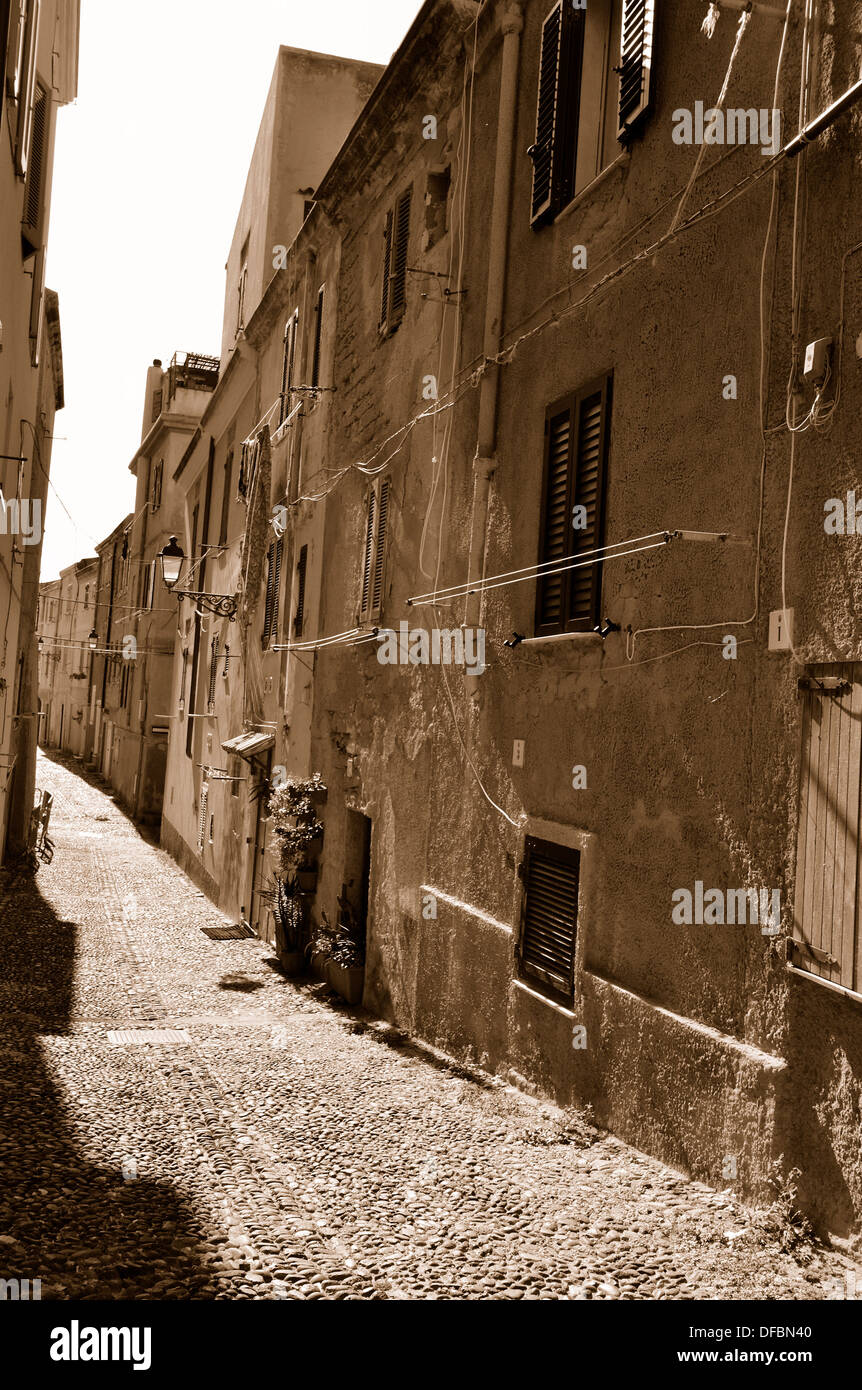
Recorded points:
(532,571)
(482,586)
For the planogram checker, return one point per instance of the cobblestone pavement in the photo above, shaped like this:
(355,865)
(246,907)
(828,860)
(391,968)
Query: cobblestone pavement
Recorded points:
(281,1146)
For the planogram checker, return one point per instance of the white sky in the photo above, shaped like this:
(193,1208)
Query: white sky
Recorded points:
(149,171)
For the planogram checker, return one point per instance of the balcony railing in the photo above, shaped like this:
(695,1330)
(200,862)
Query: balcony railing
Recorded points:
(193,371)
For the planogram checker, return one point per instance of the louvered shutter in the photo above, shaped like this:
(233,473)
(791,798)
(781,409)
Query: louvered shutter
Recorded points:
(379,549)
(368,554)
(401,238)
(576,444)
(636,50)
(556,519)
(276,588)
(214,649)
(318,332)
(289,353)
(300,592)
(827,930)
(588,492)
(387,270)
(554,152)
(202,818)
(34,190)
(270,596)
(550,913)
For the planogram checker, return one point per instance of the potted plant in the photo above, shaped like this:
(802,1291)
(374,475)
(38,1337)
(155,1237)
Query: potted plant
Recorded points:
(319,948)
(287,907)
(296,831)
(345,968)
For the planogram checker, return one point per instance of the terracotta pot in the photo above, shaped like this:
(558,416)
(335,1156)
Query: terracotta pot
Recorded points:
(346,980)
(319,961)
(292,962)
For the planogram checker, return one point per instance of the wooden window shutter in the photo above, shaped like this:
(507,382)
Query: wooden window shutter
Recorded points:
(401,239)
(301,567)
(636,50)
(556,519)
(34,189)
(368,554)
(577,431)
(214,650)
(202,817)
(387,270)
(318,332)
(287,362)
(554,152)
(549,920)
(273,573)
(24,76)
(827,931)
(588,492)
(279,547)
(376,604)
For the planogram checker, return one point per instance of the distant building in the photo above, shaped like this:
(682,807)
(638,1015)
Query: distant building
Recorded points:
(67,614)
(38,73)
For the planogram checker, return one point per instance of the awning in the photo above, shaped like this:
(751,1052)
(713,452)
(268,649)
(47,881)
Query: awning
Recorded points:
(248,745)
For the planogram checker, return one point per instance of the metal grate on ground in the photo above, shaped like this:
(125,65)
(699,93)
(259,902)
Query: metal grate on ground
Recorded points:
(235,933)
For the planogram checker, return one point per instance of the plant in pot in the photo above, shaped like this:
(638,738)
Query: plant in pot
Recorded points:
(287,906)
(296,832)
(345,968)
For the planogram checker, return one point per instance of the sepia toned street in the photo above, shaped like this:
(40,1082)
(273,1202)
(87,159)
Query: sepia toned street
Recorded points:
(276,1144)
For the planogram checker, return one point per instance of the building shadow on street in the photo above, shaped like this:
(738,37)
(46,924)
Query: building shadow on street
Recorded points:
(86,1231)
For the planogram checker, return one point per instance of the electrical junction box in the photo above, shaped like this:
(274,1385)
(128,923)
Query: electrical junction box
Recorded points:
(817,358)
(781,630)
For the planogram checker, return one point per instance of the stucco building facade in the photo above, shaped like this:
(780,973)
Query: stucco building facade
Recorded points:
(38,70)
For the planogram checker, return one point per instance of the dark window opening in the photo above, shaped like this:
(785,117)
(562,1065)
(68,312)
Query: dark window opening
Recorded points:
(549,918)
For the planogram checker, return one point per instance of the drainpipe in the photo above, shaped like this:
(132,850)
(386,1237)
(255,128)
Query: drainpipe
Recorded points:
(485,462)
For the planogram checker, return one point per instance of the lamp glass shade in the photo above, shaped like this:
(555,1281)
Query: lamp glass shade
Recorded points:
(93,640)
(172,562)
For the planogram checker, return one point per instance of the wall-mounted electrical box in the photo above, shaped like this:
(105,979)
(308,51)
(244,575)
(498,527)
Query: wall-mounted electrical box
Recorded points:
(818,356)
(781,630)
(518,753)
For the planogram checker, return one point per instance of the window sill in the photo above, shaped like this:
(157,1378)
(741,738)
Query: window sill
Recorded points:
(591,187)
(560,637)
(543,998)
(850,994)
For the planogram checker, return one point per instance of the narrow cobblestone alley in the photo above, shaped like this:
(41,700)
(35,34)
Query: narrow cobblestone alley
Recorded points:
(273,1145)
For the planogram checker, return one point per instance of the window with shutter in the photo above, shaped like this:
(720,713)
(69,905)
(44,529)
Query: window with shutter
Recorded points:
(379,549)
(396,245)
(202,817)
(387,270)
(287,364)
(225,498)
(318,332)
(549,918)
(373,563)
(5,6)
(214,650)
(827,918)
(158,472)
(577,431)
(554,151)
(32,229)
(24,79)
(273,575)
(636,50)
(368,554)
(300,592)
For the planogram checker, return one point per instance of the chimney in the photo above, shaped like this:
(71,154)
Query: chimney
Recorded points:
(153,397)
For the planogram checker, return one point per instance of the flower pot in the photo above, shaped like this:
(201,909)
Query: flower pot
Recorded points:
(306,880)
(319,961)
(292,962)
(346,980)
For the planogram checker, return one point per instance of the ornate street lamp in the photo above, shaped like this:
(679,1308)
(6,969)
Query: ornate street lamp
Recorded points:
(223,605)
